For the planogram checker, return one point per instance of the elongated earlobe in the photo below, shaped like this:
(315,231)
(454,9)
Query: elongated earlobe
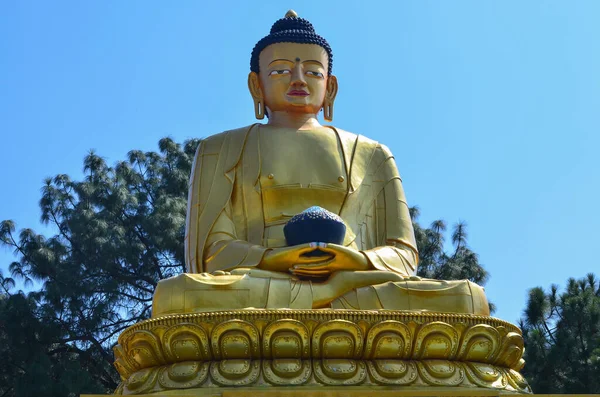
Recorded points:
(328,110)
(259,109)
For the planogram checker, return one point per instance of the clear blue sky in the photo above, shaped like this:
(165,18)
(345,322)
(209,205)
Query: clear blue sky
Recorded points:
(491,108)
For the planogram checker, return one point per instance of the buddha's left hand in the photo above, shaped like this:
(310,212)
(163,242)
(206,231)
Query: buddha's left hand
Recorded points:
(344,258)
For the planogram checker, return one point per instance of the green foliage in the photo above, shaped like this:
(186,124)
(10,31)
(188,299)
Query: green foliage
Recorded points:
(562,337)
(34,361)
(435,262)
(118,231)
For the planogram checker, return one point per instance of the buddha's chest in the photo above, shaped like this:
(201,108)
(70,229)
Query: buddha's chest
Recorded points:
(302,159)
(300,170)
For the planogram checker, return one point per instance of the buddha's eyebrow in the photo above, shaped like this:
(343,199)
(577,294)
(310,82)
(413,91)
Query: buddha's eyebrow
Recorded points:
(279,60)
(313,61)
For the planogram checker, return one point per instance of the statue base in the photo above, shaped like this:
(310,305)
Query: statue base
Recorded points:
(340,391)
(321,353)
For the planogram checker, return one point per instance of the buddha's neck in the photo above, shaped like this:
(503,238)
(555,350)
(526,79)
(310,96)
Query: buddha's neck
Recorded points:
(298,121)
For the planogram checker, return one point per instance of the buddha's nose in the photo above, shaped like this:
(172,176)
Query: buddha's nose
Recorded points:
(298,77)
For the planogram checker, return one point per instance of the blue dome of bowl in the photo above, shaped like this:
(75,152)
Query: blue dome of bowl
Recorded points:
(315,224)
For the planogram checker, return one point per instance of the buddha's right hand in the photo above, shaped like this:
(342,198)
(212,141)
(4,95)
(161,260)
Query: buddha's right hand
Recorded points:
(282,259)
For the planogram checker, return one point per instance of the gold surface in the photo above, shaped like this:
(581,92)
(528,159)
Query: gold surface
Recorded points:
(243,191)
(307,348)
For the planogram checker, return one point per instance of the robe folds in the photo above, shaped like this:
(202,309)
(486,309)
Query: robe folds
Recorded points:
(225,239)
(225,205)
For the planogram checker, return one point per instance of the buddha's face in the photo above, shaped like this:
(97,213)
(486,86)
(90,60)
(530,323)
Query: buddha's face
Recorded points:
(293,77)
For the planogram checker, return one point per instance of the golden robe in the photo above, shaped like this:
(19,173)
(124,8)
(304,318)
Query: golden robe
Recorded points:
(226,203)
(225,235)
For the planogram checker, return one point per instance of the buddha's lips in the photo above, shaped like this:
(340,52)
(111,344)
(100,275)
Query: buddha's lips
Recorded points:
(297,93)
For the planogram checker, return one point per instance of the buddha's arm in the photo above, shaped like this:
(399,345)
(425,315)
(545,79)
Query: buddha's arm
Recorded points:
(398,252)
(223,251)
(396,246)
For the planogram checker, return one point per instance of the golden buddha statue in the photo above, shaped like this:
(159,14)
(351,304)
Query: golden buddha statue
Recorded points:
(247,183)
(242,319)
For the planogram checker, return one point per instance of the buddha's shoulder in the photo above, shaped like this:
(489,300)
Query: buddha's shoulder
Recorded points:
(234,137)
(364,142)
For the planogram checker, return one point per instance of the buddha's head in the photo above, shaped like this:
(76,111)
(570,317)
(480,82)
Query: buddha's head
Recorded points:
(291,70)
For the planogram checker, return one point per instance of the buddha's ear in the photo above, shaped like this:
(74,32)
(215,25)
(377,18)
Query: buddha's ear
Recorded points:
(332,88)
(330,94)
(257,95)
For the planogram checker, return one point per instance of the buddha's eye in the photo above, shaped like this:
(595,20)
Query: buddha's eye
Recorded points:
(281,71)
(314,74)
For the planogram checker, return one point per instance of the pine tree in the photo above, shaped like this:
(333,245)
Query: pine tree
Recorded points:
(118,232)
(562,337)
